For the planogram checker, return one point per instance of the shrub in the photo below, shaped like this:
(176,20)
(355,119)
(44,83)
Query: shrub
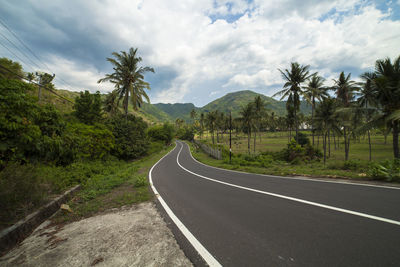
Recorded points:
(130,136)
(302,139)
(185,133)
(163,133)
(386,170)
(88,107)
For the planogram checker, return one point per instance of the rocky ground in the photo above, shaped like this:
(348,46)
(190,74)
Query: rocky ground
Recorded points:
(129,236)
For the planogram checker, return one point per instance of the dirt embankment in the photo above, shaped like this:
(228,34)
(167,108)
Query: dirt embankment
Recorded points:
(130,236)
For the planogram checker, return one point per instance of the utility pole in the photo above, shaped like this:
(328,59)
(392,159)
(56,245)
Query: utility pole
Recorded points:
(230,137)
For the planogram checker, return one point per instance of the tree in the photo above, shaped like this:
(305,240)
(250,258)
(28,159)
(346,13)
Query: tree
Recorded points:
(368,97)
(110,103)
(314,91)
(128,78)
(193,114)
(326,120)
(259,111)
(248,119)
(202,120)
(10,69)
(211,120)
(88,107)
(292,89)
(345,89)
(387,87)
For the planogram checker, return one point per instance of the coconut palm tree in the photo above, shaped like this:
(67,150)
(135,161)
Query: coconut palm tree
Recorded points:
(193,114)
(345,89)
(314,91)
(387,87)
(326,120)
(202,120)
(211,120)
(368,97)
(292,89)
(128,78)
(248,120)
(259,111)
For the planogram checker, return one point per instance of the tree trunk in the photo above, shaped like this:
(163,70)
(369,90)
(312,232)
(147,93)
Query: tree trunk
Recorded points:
(318,141)
(329,143)
(212,133)
(396,140)
(217,137)
(248,141)
(312,119)
(296,125)
(334,140)
(346,151)
(324,145)
(255,137)
(369,144)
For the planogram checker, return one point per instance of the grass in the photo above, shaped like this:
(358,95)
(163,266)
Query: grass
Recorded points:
(105,184)
(356,168)
(127,185)
(278,140)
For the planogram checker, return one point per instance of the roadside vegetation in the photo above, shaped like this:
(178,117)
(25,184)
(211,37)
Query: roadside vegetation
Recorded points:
(92,140)
(352,132)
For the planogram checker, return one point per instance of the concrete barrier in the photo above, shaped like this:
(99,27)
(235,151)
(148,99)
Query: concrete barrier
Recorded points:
(12,235)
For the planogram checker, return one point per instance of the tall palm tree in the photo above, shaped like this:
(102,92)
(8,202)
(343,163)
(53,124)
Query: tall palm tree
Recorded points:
(259,111)
(128,78)
(292,89)
(193,114)
(387,86)
(248,119)
(211,120)
(202,120)
(367,97)
(326,120)
(345,89)
(314,91)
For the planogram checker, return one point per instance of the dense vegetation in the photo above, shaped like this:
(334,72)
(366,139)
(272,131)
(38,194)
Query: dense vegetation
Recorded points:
(45,149)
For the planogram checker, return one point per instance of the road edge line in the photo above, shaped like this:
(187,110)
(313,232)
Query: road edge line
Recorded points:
(203,252)
(294,178)
(356,213)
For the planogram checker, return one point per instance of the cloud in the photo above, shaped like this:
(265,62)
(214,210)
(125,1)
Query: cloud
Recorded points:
(201,48)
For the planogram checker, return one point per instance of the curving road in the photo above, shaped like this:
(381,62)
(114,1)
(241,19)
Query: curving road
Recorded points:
(241,219)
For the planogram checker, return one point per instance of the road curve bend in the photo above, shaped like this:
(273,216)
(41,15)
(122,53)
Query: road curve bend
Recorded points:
(241,219)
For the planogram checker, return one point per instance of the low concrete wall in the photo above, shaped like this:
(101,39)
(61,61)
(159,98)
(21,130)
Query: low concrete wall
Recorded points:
(12,235)
(213,152)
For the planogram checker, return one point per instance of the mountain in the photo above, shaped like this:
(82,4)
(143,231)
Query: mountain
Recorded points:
(234,101)
(177,110)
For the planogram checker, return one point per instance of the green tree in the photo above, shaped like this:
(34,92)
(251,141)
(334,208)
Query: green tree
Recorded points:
(193,115)
(88,107)
(292,89)
(345,89)
(211,120)
(259,111)
(314,91)
(202,121)
(110,105)
(128,78)
(248,118)
(387,87)
(10,69)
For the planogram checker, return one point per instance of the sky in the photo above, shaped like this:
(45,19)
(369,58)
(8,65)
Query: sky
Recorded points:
(200,49)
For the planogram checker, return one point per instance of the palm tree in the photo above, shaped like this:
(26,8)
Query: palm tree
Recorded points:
(345,89)
(367,97)
(297,75)
(179,122)
(259,110)
(314,90)
(211,119)
(387,86)
(247,118)
(128,78)
(193,114)
(202,119)
(326,120)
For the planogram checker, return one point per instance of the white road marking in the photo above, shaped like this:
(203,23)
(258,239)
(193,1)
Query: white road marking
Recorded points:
(291,198)
(296,178)
(208,258)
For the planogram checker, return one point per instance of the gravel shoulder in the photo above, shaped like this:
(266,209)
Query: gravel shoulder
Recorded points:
(133,235)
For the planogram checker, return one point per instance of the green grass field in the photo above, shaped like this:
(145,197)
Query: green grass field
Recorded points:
(278,140)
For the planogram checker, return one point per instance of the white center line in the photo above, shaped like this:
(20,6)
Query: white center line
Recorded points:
(291,198)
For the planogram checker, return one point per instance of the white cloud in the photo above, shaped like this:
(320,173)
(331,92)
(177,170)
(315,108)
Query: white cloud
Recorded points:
(244,54)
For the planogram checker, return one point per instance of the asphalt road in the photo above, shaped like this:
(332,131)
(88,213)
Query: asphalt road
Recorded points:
(256,220)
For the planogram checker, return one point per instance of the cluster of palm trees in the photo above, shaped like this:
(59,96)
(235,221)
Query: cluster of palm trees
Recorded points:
(356,108)
(128,80)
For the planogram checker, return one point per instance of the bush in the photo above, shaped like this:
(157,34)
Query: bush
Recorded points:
(185,133)
(163,133)
(303,139)
(130,136)
(88,107)
(386,170)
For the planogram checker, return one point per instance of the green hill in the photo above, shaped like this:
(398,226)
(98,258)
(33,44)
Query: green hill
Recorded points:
(234,101)
(177,110)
